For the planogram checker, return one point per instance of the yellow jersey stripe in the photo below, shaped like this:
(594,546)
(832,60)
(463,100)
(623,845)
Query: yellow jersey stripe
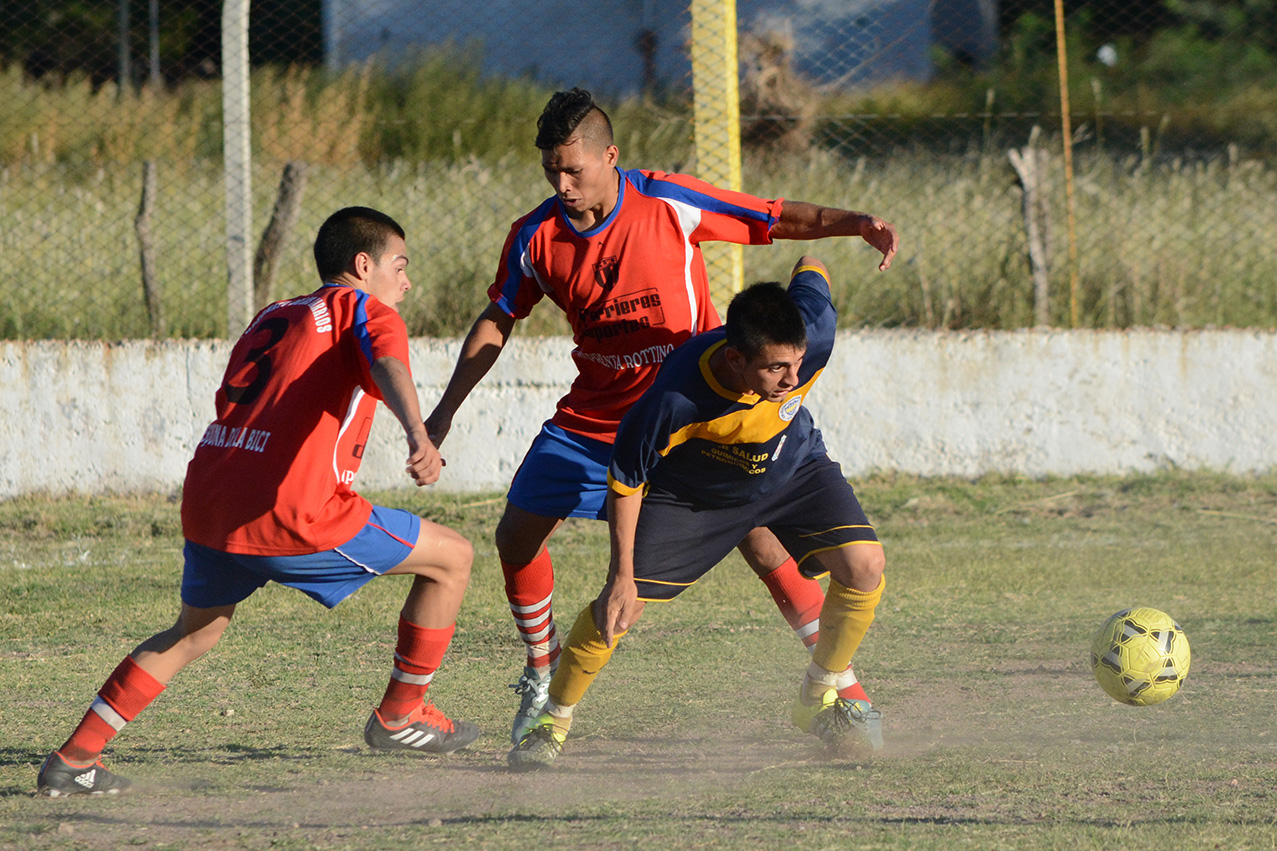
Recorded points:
(757,424)
(621,488)
(816,269)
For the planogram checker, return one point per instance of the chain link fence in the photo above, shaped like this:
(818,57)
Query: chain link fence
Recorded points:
(1109,166)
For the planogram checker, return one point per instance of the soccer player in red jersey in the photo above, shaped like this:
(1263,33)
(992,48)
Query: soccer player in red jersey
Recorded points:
(619,252)
(268,497)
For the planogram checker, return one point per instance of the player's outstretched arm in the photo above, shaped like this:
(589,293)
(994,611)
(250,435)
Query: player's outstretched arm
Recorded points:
(617,607)
(479,352)
(393,379)
(800,220)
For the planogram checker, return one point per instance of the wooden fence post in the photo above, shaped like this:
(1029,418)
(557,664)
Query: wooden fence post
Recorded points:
(1030,164)
(146,249)
(292,185)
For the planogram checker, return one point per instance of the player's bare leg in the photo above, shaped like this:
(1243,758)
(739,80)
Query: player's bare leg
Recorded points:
(404,720)
(441,562)
(194,634)
(76,767)
(521,540)
(798,598)
(855,586)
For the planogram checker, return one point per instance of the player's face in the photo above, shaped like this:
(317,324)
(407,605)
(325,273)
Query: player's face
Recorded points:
(583,175)
(387,276)
(773,372)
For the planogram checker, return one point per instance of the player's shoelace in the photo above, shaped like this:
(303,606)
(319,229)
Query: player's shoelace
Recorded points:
(538,747)
(528,685)
(430,714)
(846,717)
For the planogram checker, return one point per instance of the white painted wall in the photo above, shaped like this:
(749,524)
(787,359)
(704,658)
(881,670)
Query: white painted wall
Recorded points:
(96,417)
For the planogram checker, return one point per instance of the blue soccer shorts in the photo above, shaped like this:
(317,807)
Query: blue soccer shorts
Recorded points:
(216,578)
(563,475)
(678,541)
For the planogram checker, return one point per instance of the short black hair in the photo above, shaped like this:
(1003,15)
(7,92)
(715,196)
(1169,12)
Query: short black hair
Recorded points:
(565,112)
(762,315)
(349,232)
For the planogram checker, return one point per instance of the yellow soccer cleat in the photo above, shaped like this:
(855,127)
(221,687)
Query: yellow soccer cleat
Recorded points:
(539,746)
(840,723)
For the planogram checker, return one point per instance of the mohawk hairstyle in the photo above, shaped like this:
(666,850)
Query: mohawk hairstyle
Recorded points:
(568,111)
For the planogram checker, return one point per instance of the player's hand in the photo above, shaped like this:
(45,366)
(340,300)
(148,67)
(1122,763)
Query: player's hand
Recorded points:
(882,236)
(617,608)
(424,461)
(438,424)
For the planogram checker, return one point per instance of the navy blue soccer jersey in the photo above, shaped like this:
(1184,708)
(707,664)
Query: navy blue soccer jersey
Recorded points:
(696,439)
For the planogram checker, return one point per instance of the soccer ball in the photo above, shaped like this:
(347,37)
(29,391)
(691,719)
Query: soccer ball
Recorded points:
(1140,656)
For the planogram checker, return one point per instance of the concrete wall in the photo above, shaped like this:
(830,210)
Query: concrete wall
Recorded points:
(94,417)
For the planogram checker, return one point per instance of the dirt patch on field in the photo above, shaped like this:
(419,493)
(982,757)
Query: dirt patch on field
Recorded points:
(1059,755)
(391,792)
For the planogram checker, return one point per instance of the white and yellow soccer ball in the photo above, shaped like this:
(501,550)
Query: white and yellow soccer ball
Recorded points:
(1140,656)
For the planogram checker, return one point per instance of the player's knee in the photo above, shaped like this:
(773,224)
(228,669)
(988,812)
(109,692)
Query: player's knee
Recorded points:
(459,559)
(860,567)
(506,543)
(868,564)
(515,544)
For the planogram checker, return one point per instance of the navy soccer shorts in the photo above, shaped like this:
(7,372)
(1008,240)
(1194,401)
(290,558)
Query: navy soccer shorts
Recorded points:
(678,542)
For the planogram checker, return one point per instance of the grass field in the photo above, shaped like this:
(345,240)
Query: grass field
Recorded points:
(997,735)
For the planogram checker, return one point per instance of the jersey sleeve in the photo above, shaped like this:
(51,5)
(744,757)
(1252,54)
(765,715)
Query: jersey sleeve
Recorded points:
(809,288)
(378,332)
(516,290)
(642,439)
(724,215)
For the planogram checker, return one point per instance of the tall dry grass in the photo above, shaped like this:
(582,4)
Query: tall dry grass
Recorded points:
(1160,241)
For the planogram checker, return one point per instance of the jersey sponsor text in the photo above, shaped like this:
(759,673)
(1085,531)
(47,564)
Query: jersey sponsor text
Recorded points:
(235,437)
(650,356)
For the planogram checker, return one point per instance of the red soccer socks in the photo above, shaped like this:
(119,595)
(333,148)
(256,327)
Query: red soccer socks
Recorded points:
(125,693)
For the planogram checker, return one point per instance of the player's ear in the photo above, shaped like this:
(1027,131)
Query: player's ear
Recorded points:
(735,358)
(361,264)
(611,154)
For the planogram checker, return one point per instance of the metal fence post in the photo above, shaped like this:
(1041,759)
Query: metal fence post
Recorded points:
(716,116)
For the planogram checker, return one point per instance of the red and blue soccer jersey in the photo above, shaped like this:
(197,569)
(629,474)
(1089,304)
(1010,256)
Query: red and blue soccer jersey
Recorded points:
(710,446)
(633,288)
(272,474)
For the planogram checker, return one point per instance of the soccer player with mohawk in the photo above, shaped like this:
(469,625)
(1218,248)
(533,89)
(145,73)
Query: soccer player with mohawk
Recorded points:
(719,445)
(618,251)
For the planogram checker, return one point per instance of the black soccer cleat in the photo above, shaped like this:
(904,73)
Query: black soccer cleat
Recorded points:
(427,731)
(58,779)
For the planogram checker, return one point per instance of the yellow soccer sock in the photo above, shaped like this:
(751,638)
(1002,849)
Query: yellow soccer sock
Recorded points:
(582,658)
(560,717)
(816,682)
(844,619)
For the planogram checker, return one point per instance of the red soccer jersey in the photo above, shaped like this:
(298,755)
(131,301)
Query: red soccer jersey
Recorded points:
(272,474)
(633,288)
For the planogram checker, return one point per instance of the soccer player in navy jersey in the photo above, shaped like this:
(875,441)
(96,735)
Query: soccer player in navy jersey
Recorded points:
(618,251)
(268,497)
(721,444)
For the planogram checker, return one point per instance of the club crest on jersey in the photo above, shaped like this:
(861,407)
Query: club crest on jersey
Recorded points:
(790,409)
(607,272)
